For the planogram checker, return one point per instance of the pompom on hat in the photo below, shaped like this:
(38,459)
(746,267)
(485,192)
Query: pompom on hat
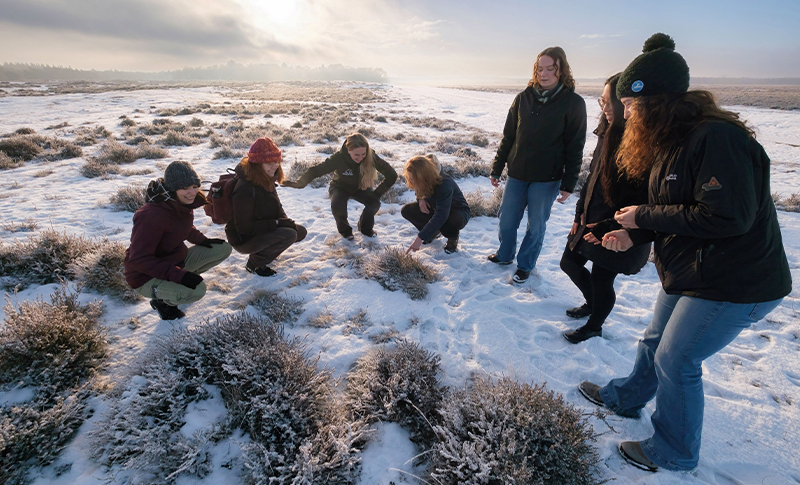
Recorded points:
(264,150)
(658,70)
(179,175)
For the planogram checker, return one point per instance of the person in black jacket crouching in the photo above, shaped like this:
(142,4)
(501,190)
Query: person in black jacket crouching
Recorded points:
(542,147)
(604,192)
(440,206)
(718,247)
(259,226)
(355,171)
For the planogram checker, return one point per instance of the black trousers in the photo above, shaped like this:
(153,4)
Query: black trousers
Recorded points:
(339,200)
(264,248)
(597,286)
(450,229)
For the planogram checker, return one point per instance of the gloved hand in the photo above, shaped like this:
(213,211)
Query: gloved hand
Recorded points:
(208,242)
(191,280)
(286,222)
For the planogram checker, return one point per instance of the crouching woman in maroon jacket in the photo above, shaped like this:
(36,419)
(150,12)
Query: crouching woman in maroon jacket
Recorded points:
(259,226)
(158,265)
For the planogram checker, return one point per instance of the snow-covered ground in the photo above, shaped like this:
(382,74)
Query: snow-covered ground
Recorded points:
(473,317)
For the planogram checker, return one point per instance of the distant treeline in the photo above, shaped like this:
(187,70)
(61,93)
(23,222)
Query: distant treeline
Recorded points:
(231,71)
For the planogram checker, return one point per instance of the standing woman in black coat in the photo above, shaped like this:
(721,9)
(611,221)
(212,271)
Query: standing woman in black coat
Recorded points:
(605,192)
(259,226)
(718,247)
(355,170)
(440,206)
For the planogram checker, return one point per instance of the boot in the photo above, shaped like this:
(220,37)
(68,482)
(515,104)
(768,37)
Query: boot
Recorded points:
(452,245)
(166,311)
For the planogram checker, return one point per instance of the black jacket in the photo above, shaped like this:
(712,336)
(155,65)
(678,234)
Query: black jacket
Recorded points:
(347,173)
(543,142)
(716,230)
(592,204)
(446,198)
(256,210)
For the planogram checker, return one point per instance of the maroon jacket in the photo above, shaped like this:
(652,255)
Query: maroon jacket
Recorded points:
(157,249)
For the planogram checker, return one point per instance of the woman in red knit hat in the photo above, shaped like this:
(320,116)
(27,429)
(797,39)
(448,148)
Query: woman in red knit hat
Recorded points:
(259,226)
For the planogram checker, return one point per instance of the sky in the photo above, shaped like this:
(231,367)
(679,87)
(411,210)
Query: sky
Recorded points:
(444,41)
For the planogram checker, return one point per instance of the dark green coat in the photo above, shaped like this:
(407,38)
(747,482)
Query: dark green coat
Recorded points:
(347,173)
(543,142)
(713,220)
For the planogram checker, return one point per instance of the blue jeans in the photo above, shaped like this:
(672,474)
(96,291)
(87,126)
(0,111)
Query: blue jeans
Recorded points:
(684,332)
(538,197)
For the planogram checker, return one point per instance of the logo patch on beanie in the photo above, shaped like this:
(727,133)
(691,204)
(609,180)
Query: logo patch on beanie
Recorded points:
(637,86)
(712,184)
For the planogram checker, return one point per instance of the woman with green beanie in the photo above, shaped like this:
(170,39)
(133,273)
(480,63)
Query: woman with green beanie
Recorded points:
(718,247)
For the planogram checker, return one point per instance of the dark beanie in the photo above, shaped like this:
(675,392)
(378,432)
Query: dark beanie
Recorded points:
(658,70)
(264,150)
(179,175)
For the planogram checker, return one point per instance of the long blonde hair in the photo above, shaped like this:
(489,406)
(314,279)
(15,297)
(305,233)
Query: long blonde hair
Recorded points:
(425,172)
(255,174)
(369,175)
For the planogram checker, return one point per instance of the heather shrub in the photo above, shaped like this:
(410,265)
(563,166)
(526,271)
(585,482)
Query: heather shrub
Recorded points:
(277,308)
(25,130)
(127,122)
(128,198)
(7,162)
(20,147)
(299,431)
(53,348)
(395,192)
(150,152)
(94,168)
(788,204)
(226,152)
(45,258)
(507,432)
(114,152)
(299,167)
(175,138)
(102,270)
(479,205)
(395,270)
(398,385)
(327,149)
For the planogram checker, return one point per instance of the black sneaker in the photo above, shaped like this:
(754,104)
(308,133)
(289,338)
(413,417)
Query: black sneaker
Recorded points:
(493,258)
(633,454)
(591,391)
(452,245)
(580,311)
(521,276)
(262,271)
(581,334)
(166,311)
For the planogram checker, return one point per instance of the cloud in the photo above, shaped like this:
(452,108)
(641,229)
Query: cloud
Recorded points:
(177,27)
(599,36)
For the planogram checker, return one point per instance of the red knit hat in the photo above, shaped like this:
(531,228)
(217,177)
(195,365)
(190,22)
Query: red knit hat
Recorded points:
(264,150)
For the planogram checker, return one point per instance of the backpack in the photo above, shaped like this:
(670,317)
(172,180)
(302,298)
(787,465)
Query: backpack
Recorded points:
(220,205)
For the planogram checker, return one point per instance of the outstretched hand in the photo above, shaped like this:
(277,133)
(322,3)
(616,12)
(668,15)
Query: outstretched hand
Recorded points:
(627,217)
(591,238)
(563,195)
(495,181)
(617,241)
(289,183)
(415,245)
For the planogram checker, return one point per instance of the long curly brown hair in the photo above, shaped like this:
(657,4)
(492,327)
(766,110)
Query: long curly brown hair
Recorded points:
(659,123)
(564,71)
(256,174)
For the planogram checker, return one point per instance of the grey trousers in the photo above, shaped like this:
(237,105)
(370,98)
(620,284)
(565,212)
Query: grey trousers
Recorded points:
(264,248)
(198,260)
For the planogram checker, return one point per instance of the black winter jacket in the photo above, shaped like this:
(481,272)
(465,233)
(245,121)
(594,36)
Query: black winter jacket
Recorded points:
(347,173)
(446,198)
(715,227)
(256,210)
(543,142)
(592,204)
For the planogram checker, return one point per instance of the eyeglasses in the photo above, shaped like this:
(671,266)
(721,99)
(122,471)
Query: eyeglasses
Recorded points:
(603,103)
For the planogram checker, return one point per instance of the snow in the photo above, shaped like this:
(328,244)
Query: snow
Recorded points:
(473,317)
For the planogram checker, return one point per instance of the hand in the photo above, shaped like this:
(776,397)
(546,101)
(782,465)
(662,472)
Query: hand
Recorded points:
(208,242)
(191,280)
(617,241)
(574,228)
(414,245)
(591,238)
(286,222)
(495,181)
(424,207)
(289,183)
(626,217)
(564,195)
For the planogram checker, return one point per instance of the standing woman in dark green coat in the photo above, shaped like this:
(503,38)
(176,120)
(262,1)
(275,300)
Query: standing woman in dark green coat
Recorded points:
(355,170)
